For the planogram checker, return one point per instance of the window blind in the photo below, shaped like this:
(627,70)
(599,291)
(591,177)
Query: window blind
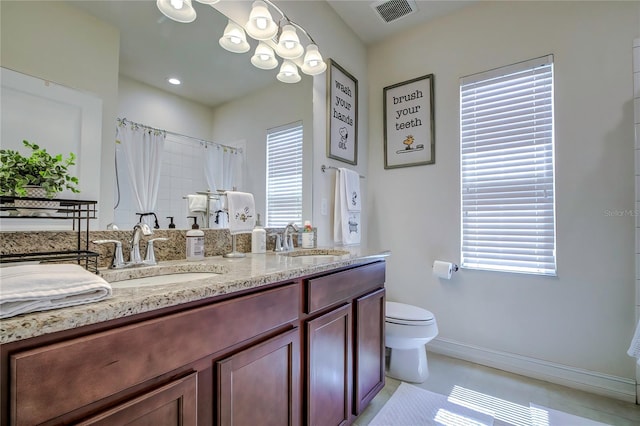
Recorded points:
(284,175)
(507,169)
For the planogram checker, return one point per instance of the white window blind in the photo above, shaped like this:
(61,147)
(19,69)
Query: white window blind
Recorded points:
(507,169)
(284,175)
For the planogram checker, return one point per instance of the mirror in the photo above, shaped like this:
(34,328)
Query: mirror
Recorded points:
(223,98)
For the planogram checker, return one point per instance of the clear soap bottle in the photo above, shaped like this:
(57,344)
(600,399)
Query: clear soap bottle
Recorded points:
(258,238)
(195,242)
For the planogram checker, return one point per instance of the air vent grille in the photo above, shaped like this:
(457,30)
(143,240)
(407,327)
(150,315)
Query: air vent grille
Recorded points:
(392,10)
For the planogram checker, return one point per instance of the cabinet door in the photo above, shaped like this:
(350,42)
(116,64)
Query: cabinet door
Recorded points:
(171,405)
(329,376)
(369,348)
(261,385)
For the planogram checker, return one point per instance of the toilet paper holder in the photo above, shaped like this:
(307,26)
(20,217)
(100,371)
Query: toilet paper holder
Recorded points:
(443,269)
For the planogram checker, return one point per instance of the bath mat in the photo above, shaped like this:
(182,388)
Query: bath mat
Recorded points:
(412,406)
(543,416)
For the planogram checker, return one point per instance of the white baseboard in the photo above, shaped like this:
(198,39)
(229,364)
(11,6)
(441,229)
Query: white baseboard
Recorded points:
(576,378)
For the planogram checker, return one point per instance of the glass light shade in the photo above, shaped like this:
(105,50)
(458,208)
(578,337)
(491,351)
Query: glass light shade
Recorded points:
(264,57)
(177,10)
(260,25)
(288,72)
(313,63)
(289,46)
(234,39)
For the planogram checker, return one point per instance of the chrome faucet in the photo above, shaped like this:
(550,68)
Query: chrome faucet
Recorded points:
(150,257)
(138,230)
(287,239)
(117,261)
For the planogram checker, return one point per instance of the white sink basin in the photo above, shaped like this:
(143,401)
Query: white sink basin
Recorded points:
(162,274)
(163,279)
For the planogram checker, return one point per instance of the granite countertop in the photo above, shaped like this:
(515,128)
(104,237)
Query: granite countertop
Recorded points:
(232,274)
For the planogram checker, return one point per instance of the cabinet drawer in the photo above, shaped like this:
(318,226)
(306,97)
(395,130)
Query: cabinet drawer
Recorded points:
(334,288)
(56,379)
(172,404)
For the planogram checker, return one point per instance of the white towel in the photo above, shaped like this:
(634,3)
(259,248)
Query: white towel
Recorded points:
(634,348)
(31,288)
(352,189)
(197,203)
(242,212)
(346,223)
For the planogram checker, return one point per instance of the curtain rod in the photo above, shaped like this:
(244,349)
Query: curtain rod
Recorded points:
(181,135)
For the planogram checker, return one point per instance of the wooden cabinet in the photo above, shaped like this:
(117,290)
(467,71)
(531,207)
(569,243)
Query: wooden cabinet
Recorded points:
(118,370)
(345,343)
(308,351)
(329,359)
(369,348)
(261,385)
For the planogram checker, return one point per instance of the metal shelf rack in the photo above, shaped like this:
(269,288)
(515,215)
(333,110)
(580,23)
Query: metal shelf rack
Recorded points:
(78,211)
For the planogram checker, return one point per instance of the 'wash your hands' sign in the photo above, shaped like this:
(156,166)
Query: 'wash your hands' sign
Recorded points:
(342,114)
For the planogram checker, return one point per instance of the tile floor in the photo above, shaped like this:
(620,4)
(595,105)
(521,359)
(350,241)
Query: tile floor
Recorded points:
(509,395)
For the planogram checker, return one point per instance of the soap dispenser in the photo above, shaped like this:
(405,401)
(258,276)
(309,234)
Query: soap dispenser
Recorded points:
(258,238)
(171,224)
(195,241)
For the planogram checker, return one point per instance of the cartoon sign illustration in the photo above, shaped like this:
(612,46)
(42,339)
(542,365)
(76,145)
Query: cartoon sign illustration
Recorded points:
(408,141)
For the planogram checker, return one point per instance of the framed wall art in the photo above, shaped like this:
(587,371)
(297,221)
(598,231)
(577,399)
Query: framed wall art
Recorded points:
(409,123)
(342,114)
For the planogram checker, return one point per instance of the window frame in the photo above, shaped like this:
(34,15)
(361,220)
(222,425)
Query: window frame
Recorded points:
(504,228)
(274,216)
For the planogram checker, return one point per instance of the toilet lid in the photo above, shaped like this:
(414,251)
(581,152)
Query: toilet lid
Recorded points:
(402,313)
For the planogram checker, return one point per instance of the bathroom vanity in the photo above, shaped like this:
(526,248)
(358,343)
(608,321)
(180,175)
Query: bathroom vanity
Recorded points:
(270,340)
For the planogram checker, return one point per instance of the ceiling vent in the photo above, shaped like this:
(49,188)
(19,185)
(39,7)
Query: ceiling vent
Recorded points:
(392,10)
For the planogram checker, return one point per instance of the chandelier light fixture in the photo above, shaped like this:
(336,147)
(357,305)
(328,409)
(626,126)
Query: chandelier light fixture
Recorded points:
(274,37)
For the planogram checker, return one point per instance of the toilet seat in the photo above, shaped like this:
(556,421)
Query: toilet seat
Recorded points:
(403,314)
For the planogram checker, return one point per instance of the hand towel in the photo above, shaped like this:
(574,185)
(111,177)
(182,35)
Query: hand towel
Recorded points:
(197,203)
(634,348)
(352,189)
(242,212)
(31,288)
(346,223)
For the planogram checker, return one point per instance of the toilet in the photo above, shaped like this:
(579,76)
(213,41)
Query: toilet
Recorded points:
(408,329)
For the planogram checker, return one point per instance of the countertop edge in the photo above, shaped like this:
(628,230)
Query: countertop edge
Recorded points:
(242,275)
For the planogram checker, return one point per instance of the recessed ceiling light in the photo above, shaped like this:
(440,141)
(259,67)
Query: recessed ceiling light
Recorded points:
(173,81)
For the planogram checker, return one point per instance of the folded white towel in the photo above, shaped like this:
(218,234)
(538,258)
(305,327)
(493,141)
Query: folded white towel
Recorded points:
(197,203)
(346,224)
(242,212)
(31,288)
(634,348)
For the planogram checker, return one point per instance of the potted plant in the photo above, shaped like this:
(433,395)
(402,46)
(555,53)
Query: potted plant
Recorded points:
(39,175)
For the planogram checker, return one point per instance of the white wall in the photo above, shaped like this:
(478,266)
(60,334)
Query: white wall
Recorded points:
(246,120)
(144,104)
(584,317)
(59,43)
(338,42)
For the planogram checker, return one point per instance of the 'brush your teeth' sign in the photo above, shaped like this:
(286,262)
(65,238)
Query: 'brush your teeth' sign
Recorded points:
(409,123)
(342,105)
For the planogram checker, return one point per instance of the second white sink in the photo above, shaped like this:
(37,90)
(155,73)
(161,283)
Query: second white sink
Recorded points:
(315,252)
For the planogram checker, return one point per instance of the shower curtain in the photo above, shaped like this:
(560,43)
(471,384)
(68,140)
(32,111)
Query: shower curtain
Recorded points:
(143,148)
(223,167)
